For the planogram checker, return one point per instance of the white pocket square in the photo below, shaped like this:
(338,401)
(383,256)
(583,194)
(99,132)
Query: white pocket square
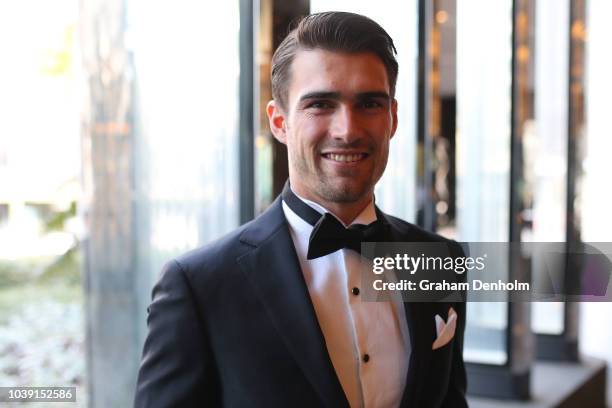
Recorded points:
(445,330)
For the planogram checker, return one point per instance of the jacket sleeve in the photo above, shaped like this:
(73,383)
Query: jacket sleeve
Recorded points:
(177,368)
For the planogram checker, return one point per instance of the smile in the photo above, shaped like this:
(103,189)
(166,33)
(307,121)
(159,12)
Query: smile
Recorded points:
(345,158)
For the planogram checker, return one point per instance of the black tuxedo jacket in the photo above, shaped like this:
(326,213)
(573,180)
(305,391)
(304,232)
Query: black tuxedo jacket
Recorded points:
(232,324)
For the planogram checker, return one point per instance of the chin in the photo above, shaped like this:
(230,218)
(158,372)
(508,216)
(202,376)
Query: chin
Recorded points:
(343,192)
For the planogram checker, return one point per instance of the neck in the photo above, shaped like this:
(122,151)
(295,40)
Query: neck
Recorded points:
(344,211)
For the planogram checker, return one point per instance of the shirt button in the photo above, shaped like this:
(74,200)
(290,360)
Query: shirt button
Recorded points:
(366,358)
(355,291)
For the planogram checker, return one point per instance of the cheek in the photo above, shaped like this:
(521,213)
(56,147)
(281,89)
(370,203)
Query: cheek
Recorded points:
(383,152)
(307,137)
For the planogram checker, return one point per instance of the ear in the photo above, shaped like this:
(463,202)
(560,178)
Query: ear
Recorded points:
(278,125)
(394,117)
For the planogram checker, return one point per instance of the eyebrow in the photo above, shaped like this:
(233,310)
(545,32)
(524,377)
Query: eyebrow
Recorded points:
(336,95)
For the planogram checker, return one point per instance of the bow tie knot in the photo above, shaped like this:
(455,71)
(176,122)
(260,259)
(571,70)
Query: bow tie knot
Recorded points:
(329,235)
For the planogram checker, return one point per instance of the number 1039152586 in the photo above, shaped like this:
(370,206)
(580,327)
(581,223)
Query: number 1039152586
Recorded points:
(37,394)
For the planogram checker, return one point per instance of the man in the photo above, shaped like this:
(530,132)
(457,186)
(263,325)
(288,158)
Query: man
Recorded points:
(270,315)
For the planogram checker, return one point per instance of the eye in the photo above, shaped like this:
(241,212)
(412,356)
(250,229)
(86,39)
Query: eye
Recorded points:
(319,105)
(370,104)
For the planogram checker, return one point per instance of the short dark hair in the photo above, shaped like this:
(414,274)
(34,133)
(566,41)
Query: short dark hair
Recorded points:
(333,31)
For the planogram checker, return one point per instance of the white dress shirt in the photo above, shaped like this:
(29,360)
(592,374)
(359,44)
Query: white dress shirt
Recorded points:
(368,342)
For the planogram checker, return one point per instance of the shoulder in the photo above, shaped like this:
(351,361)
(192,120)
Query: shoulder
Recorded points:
(204,266)
(412,232)
(216,252)
(218,259)
(404,231)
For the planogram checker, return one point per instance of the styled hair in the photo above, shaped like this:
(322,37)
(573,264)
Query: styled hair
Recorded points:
(332,31)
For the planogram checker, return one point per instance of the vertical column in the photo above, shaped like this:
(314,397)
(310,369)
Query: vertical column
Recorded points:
(246,134)
(576,147)
(107,140)
(429,53)
(444,146)
(520,338)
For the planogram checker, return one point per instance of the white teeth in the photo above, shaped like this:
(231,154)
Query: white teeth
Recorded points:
(345,157)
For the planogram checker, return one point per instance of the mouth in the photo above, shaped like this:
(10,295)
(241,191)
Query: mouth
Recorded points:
(345,157)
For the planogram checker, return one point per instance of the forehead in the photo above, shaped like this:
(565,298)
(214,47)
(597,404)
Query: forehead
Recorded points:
(347,73)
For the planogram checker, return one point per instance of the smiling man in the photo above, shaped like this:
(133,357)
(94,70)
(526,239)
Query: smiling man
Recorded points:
(271,315)
(336,116)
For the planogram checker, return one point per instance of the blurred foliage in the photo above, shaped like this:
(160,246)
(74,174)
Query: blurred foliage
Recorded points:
(66,268)
(42,338)
(13,299)
(56,220)
(14,273)
(57,61)
(41,323)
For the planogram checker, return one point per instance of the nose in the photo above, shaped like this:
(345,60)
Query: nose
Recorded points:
(345,125)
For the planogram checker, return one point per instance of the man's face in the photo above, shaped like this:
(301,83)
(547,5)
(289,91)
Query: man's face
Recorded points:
(337,125)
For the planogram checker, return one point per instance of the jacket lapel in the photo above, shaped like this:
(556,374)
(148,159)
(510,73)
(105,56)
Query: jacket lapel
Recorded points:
(421,328)
(272,267)
(420,349)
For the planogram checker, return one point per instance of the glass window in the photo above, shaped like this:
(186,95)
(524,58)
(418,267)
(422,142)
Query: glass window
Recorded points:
(596,221)
(160,142)
(545,147)
(596,224)
(185,67)
(42,318)
(484,62)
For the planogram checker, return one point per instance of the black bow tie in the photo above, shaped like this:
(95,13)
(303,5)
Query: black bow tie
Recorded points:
(328,234)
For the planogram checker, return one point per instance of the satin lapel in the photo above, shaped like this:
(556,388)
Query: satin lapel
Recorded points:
(422,330)
(273,270)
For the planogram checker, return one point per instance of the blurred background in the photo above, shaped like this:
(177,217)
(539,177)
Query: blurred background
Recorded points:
(133,131)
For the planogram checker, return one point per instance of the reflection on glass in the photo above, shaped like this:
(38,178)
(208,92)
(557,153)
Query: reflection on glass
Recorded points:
(484,61)
(186,81)
(545,148)
(396,191)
